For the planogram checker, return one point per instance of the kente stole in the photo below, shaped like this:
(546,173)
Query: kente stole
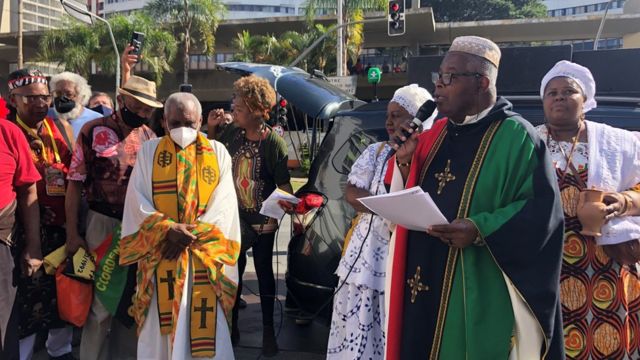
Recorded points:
(183,183)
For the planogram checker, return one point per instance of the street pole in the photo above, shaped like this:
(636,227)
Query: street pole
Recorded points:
(308,50)
(604,17)
(340,47)
(86,16)
(20,29)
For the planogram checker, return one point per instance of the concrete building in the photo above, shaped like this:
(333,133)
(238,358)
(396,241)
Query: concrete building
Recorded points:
(561,8)
(581,7)
(96,6)
(37,15)
(236,9)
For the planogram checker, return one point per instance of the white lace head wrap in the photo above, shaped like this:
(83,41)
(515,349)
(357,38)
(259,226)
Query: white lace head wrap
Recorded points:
(579,74)
(411,97)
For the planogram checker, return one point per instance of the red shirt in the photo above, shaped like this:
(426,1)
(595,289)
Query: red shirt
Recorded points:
(48,159)
(16,167)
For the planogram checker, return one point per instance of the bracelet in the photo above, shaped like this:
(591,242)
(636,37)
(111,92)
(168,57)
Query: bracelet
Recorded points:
(407,164)
(628,201)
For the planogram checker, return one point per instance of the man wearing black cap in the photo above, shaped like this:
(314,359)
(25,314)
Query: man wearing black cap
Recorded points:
(103,158)
(38,310)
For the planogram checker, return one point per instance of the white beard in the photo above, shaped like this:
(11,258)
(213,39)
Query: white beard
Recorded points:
(71,115)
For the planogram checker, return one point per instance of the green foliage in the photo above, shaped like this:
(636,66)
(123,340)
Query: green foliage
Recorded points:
(285,48)
(194,23)
(478,10)
(352,10)
(75,45)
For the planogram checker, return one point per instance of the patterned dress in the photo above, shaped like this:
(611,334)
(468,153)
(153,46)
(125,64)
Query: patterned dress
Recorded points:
(600,298)
(357,324)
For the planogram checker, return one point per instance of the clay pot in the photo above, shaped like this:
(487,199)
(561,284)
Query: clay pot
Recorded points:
(591,211)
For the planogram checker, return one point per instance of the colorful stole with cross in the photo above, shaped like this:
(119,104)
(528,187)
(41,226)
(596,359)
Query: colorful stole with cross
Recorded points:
(183,182)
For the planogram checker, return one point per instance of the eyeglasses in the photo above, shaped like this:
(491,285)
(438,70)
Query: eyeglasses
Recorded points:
(31,99)
(447,78)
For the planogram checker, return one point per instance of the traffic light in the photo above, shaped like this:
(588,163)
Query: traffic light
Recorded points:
(396,19)
(282,112)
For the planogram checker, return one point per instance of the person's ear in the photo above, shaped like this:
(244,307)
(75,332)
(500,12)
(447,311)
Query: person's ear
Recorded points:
(12,100)
(483,84)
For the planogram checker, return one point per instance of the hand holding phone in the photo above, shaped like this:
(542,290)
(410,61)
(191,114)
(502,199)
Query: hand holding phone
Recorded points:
(137,39)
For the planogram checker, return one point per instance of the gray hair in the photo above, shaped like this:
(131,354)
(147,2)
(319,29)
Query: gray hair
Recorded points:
(82,86)
(484,67)
(180,99)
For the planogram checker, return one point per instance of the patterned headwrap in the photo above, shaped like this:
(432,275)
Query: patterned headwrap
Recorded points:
(24,77)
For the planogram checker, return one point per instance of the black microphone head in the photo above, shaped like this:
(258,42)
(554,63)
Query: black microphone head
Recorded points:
(426,110)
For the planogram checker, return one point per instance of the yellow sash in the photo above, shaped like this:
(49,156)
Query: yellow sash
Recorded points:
(174,194)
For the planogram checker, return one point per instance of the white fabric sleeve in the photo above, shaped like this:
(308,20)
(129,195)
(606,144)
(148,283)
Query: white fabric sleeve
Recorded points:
(138,204)
(363,169)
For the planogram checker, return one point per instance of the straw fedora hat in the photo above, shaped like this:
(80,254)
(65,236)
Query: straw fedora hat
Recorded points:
(142,90)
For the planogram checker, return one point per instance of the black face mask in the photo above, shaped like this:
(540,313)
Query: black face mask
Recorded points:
(63,104)
(130,118)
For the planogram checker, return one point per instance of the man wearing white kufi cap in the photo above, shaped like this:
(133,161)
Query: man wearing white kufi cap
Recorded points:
(485,285)
(357,326)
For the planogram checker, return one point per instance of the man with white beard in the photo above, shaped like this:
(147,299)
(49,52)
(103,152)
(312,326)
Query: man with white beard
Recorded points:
(71,92)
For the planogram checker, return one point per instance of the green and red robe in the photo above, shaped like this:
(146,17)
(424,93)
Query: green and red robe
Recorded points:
(495,301)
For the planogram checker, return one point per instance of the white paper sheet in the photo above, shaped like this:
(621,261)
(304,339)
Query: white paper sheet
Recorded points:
(411,208)
(270,206)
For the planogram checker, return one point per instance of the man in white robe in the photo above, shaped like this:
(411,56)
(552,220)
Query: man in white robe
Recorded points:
(167,227)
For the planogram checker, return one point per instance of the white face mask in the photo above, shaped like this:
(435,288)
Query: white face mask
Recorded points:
(183,136)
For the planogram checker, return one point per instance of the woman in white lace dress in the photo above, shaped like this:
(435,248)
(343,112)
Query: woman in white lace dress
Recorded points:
(357,325)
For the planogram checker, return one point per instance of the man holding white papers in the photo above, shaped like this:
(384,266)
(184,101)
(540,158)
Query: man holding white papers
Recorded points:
(357,326)
(484,286)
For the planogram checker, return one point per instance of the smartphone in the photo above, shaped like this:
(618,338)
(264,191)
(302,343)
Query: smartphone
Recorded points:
(137,38)
(186,88)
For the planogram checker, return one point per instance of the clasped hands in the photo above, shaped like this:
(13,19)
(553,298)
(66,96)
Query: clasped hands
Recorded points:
(178,238)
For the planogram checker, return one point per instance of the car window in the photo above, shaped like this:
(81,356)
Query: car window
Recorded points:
(353,147)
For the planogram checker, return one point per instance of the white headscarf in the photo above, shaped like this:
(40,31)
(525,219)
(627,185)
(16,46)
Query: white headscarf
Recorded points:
(411,97)
(579,74)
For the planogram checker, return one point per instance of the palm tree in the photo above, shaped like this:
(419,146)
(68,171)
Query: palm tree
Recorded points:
(79,42)
(319,58)
(76,45)
(159,49)
(352,10)
(193,21)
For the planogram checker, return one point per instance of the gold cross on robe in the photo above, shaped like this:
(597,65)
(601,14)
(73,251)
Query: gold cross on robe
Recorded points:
(444,177)
(415,285)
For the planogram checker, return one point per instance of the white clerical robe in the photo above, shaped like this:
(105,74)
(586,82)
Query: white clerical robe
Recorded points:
(221,211)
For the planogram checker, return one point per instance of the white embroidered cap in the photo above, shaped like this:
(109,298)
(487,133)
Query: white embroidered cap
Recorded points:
(579,74)
(478,46)
(411,97)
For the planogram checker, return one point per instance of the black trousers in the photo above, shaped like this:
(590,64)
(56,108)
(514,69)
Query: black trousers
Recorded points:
(263,261)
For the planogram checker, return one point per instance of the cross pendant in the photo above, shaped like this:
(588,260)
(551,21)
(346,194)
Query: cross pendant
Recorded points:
(415,285)
(444,177)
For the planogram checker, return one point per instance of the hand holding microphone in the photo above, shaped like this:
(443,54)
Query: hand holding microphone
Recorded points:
(405,140)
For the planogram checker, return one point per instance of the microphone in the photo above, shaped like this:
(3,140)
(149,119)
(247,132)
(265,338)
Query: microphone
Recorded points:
(424,112)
